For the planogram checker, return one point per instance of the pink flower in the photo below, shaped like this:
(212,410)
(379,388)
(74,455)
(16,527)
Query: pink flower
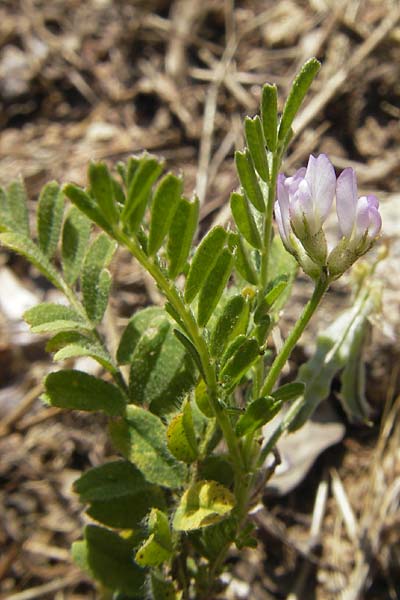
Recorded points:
(302,206)
(359,218)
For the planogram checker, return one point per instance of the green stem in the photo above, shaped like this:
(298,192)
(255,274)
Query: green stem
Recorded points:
(280,360)
(189,321)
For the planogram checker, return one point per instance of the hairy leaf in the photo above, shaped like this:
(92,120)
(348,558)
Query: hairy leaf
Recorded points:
(204,259)
(145,175)
(49,215)
(165,202)
(232,322)
(157,548)
(244,220)
(181,437)
(81,391)
(141,438)
(214,286)
(256,144)
(257,414)
(24,246)
(181,232)
(249,181)
(18,207)
(49,318)
(75,240)
(203,504)
(299,88)
(108,557)
(102,190)
(243,263)
(269,115)
(86,205)
(240,362)
(95,279)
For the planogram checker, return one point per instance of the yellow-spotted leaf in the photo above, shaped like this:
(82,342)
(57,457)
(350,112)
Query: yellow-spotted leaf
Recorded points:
(203,504)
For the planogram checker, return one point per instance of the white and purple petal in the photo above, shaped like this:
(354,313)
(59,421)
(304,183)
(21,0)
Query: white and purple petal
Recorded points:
(346,201)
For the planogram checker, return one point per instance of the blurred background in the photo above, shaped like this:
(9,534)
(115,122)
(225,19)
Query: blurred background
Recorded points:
(104,79)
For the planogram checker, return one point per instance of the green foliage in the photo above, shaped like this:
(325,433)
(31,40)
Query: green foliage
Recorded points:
(75,240)
(257,414)
(203,261)
(96,279)
(107,557)
(213,287)
(51,318)
(269,115)
(256,144)
(141,438)
(244,220)
(181,437)
(139,185)
(299,89)
(118,495)
(16,208)
(157,548)
(249,181)
(161,372)
(232,322)
(203,504)
(181,232)
(81,391)
(165,202)
(50,215)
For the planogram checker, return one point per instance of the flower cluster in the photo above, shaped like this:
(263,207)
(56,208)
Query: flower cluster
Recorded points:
(303,204)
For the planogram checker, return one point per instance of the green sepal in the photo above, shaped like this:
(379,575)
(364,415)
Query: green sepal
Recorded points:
(181,233)
(75,240)
(269,115)
(204,503)
(248,180)
(95,278)
(257,414)
(107,557)
(81,391)
(203,261)
(299,88)
(181,437)
(256,144)
(102,191)
(49,218)
(141,438)
(213,287)
(165,202)
(232,322)
(244,220)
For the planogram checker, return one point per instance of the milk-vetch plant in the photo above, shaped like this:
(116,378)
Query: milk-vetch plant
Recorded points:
(191,383)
